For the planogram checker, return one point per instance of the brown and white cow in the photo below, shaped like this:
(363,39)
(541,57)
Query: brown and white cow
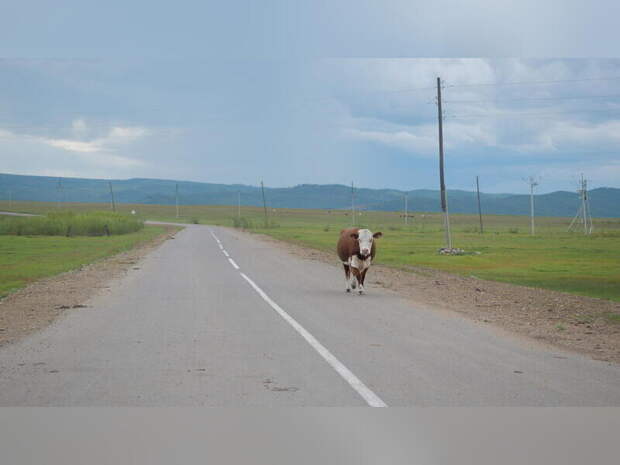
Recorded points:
(356,249)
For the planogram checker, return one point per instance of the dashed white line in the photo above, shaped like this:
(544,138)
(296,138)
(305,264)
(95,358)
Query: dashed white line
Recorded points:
(370,397)
(364,391)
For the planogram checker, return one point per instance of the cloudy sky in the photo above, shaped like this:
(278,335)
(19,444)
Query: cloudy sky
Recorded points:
(283,93)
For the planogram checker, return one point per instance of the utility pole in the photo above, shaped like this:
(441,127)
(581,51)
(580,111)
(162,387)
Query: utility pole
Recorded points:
(479,209)
(442,184)
(59,189)
(533,183)
(238,204)
(112,196)
(584,208)
(584,204)
(176,197)
(352,204)
(10,199)
(262,187)
(406,212)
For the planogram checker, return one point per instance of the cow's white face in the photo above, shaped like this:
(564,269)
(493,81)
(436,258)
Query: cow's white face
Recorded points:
(365,238)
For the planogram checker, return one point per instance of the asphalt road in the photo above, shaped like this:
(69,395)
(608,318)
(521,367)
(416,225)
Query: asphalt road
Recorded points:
(259,327)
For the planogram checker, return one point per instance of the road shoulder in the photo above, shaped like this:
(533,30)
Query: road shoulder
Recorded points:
(570,322)
(39,304)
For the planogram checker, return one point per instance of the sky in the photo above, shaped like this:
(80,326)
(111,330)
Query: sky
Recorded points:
(313,92)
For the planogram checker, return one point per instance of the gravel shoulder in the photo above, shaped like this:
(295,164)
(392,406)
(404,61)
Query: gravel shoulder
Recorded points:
(36,306)
(585,325)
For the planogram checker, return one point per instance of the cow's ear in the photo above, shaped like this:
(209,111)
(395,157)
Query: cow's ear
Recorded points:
(355,235)
(377,235)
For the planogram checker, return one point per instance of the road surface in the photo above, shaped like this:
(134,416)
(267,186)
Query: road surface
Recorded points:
(217,317)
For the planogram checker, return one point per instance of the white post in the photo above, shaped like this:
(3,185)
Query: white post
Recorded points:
(532,208)
(176,195)
(532,182)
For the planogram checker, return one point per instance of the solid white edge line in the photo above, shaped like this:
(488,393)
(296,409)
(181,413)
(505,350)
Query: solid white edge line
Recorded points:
(225,253)
(370,397)
(232,262)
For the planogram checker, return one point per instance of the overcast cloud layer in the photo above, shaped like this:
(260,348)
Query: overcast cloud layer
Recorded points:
(373,121)
(239,91)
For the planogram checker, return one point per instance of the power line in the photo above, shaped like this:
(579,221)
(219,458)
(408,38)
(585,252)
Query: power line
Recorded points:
(515,83)
(520,114)
(488,84)
(577,97)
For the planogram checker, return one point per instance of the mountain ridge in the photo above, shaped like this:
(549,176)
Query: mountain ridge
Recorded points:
(605,201)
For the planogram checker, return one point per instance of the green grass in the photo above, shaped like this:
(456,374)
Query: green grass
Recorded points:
(552,259)
(69,223)
(24,259)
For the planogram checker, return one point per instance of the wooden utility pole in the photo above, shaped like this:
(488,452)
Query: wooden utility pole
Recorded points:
(532,182)
(176,197)
(479,209)
(352,204)
(238,204)
(584,203)
(59,189)
(262,187)
(406,210)
(112,196)
(442,184)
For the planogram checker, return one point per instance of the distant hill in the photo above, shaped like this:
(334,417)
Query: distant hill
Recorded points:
(605,201)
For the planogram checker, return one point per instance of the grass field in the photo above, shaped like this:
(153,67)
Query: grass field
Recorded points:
(24,259)
(552,259)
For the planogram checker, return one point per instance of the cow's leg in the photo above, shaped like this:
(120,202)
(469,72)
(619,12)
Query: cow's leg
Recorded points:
(362,279)
(347,277)
(356,277)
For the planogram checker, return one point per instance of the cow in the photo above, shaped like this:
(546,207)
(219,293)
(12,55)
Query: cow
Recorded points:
(356,250)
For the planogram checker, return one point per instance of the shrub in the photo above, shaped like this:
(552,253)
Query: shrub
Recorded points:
(71,224)
(269,224)
(242,223)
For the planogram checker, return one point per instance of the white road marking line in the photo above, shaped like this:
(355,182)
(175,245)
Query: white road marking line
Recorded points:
(370,397)
(225,253)
(232,262)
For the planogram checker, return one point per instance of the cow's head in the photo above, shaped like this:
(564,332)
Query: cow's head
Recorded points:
(364,239)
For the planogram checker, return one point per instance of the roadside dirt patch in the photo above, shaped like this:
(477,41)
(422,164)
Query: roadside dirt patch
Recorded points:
(39,304)
(582,324)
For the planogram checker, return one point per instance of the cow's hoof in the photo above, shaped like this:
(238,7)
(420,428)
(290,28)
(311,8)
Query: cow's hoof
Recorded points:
(353,284)
(360,292)
(347,290)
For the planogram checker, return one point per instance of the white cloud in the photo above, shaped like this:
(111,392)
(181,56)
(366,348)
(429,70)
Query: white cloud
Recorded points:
(74,145)
(115,137)
(421,139)
(418,143)
(99,152)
